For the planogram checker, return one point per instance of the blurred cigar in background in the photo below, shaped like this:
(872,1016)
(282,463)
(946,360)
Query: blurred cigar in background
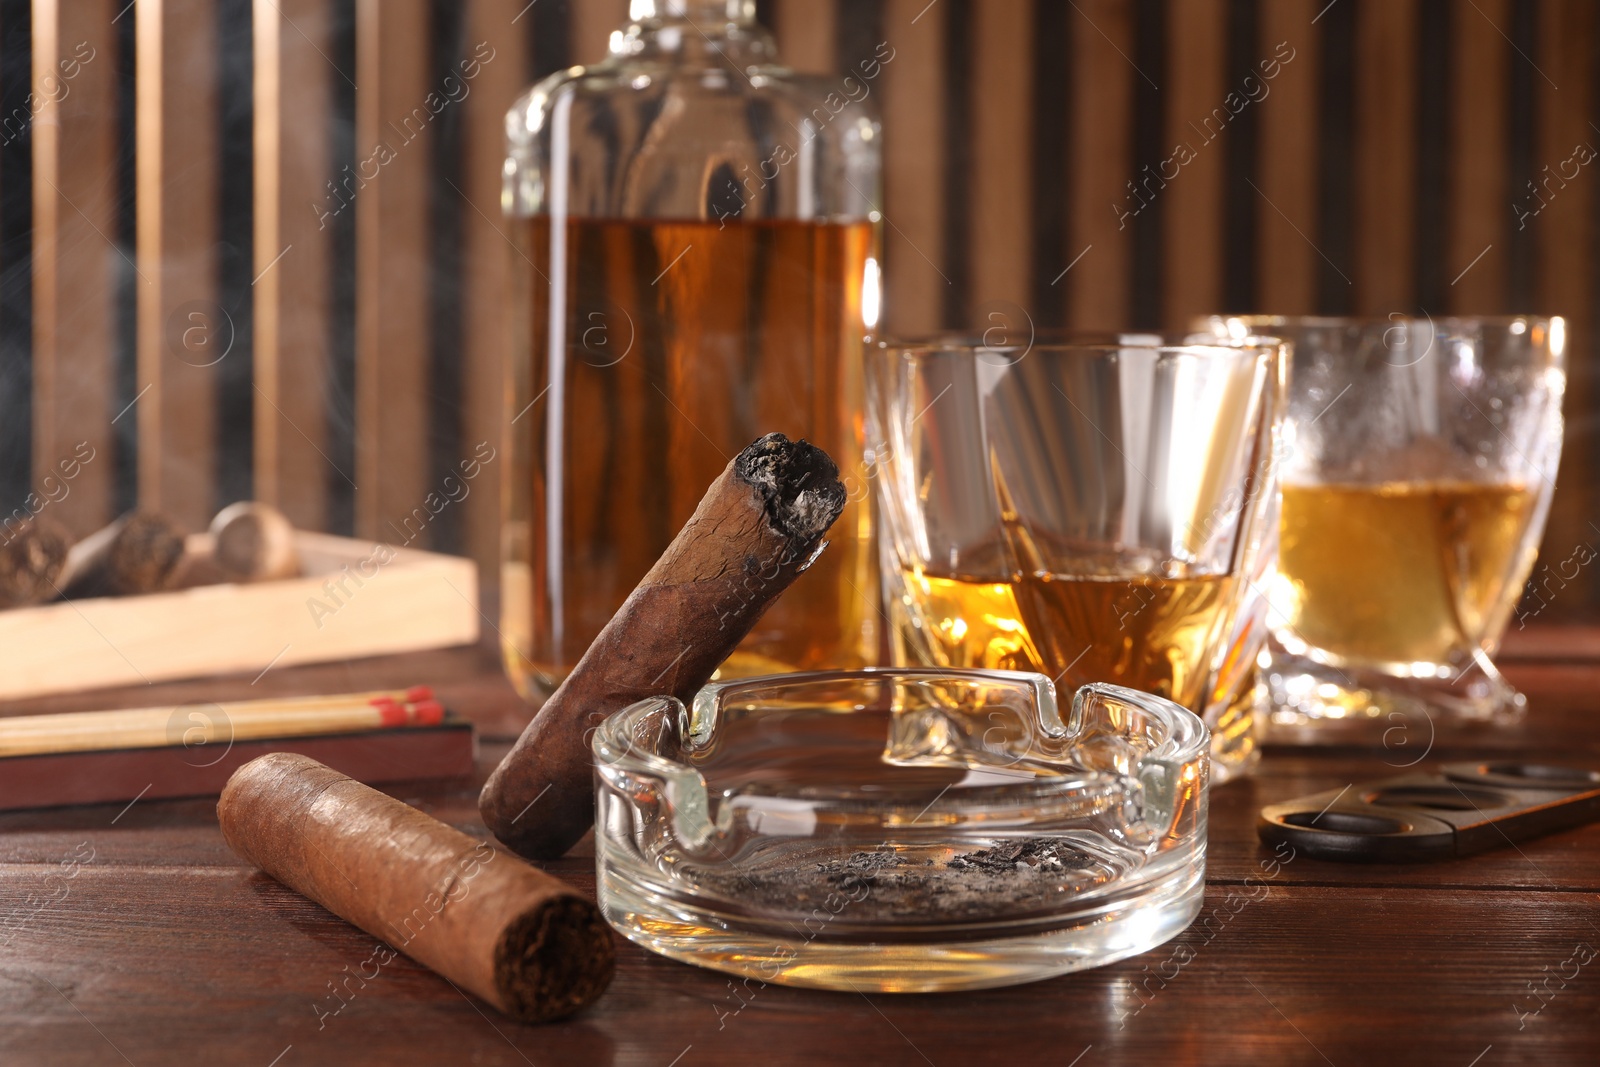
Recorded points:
(253,542)
(145,552)
(32,556)
(136,554)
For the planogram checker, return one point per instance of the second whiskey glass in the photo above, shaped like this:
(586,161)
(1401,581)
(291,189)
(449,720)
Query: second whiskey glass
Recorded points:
(1419,462)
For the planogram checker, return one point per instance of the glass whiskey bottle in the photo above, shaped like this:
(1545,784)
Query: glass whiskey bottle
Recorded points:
(696,264)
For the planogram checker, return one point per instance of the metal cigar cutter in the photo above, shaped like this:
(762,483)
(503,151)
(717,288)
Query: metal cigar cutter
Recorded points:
(1463,809)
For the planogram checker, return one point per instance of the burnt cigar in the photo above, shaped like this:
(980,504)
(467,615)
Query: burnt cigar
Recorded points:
(524,941)
(32,555)
(758,526)
(136,554)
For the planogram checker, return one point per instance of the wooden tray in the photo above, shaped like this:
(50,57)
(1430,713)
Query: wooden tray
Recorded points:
(349,603)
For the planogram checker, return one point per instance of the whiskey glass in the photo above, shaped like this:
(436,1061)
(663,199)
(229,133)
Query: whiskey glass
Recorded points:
(1419,462)
(901,830)
(1095,511)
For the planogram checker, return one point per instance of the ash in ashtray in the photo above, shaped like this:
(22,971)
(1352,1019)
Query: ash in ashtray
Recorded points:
(882,883)
(1034,852)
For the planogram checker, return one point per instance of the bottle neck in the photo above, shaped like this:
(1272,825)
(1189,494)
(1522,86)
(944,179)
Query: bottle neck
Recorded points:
(690,31)
(739,12)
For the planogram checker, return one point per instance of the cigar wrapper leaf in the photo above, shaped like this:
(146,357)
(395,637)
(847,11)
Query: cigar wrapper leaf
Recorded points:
(759,525)
(520,939)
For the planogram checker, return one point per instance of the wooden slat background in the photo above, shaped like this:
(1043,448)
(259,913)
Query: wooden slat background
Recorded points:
(1564,274)
(998,223)
(1030,148)
(1196,81)
(487,248)
(292,469)
(393,276)
(1385,159)
(74,206)
(1480,140)
(1101,153)
(1288,165)
(182,333)
(913,101)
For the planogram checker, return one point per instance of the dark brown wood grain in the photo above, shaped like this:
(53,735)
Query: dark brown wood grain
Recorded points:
(166,947)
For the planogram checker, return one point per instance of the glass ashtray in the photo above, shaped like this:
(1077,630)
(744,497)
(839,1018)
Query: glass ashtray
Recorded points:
(901,830)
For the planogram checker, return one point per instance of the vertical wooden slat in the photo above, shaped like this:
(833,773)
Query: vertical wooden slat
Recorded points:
(1287,163)
(1385,155)
(1563,229)
(182,331)
(1000,181)
(486,251)
(1477,246)
(294,210)
(74,218)
(1522,105)
(1197,120)
(592,24)
(1051,37)
(1101,156)
(914,186)
(393,248)
(807,33)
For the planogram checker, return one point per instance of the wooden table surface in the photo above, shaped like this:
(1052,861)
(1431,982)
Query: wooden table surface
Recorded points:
(168,950)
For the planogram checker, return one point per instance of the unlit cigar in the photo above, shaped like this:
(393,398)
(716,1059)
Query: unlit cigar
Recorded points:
(197,565)
(33,554)
(520,939)
(136,554)
(759,525)
(203,724)
(247,542)
(254,542)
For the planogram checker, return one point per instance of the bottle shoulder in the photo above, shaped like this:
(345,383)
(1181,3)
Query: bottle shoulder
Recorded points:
(636,136)
(641,86)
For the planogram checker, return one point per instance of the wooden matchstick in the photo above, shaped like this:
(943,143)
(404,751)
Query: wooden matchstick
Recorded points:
(203,724)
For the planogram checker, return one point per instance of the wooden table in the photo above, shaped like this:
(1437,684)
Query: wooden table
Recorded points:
(168,950)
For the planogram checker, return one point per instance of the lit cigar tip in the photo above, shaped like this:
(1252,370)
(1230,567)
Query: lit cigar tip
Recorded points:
(799,484)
